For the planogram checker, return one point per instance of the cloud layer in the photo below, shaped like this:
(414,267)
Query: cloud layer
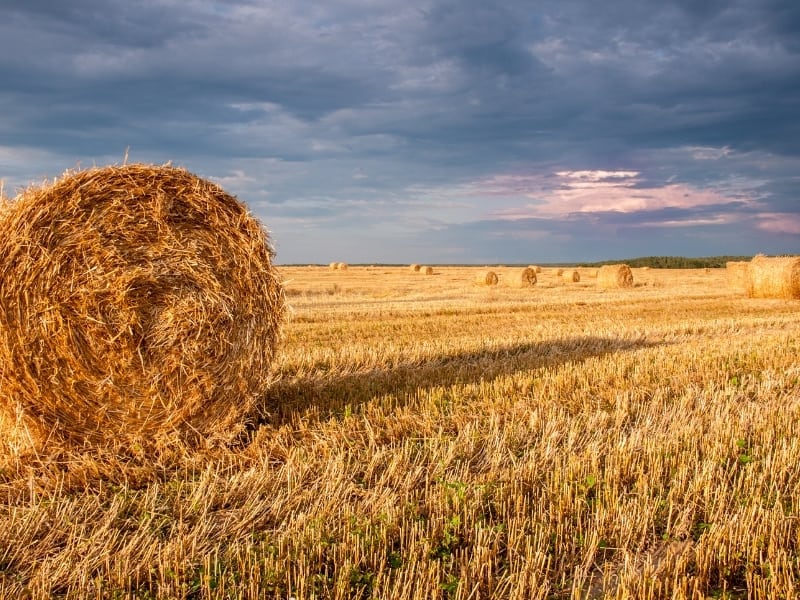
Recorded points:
(437,131)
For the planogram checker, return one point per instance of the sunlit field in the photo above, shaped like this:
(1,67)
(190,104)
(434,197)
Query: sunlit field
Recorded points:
(430,437)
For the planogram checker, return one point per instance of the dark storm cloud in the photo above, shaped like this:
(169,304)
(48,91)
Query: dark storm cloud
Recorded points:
(311,109)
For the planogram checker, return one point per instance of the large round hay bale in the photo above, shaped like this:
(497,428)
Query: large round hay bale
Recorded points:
(526,277)
(774,277)
(415,267)
(333,266)
(615,276)
(342,266)
(536,268)
(428,270)
(570,276)
(138,305)
(487,278)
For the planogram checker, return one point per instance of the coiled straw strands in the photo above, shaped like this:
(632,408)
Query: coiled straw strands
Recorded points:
(774,277)
(138,305)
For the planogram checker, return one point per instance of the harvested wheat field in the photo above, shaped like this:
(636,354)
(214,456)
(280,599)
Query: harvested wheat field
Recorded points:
(433,438)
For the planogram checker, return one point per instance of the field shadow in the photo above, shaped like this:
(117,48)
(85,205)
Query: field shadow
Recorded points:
(332,394)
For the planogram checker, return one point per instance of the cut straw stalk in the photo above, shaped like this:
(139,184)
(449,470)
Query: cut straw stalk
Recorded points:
(137,304)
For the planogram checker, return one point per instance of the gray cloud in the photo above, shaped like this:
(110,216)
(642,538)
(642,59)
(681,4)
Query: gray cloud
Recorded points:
(386,115)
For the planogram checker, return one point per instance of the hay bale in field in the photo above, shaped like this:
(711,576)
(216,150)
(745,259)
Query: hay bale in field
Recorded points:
(536,268)
(138,306)
(526,277)
(570,276)
(774,277)
(559,272)
(426,270)
(615,276)
(487,278)
(591,273)
(333,266)
(736,274)
(342,266)
(415,267)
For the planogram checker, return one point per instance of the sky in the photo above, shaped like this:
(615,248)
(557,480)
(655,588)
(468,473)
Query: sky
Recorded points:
(430,131)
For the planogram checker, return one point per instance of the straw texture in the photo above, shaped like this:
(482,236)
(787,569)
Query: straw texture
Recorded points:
(138,303)
(736,274)
(526,277)
(487,278)
(774,277)
(615,276)
(570,276)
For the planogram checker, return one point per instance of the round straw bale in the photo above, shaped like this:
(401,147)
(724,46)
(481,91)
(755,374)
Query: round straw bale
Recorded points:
(570,276)
(487,278)
(527,277)
(536,268)
(415,268)
(559,272)
(333,266)
(774,277)
(138,306)
(427,270)
(591,273)
(615,276)
(341,266)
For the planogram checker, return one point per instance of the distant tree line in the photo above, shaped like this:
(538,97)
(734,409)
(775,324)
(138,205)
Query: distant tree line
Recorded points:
(673,262)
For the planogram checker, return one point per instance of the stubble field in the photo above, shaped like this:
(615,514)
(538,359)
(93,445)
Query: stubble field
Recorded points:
(429,437)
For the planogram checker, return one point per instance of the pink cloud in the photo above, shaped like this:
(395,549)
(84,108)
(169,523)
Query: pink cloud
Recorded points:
(779,222)
(593,191)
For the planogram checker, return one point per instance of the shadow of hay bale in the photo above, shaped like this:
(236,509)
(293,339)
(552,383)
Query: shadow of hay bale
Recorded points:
(138,305)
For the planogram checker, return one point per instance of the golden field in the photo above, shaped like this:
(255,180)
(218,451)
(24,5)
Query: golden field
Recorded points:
(430,437)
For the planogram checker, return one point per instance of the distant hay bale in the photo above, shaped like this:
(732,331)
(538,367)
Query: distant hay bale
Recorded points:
(333,266)
(774,277)
(526,277)
(487,278)
(138,306)
(559,272)
(570,276)
(536,268)
(736,274)
(415,268)
(341,266)
(426,270)
(592,273)
(615,276)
